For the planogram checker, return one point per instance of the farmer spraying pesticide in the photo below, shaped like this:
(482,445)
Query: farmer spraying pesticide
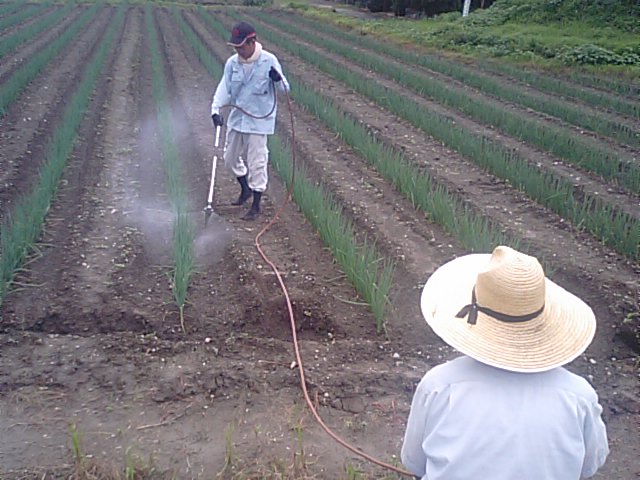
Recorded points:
(506,410)
(248,85)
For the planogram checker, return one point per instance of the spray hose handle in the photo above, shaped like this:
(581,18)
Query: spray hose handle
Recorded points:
(217,136)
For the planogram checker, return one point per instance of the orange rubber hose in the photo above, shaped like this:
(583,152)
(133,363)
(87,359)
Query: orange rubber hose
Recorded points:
(293,321)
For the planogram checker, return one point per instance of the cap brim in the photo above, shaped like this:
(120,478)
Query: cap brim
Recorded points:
(238,43)
(562,332)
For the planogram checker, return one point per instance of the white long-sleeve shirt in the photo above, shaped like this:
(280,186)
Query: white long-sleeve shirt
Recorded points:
(470,421)
(249,87)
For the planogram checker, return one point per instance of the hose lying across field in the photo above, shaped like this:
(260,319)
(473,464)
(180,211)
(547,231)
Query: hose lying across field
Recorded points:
(303,382)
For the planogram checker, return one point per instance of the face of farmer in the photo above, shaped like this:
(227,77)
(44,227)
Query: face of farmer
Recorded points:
(247,48)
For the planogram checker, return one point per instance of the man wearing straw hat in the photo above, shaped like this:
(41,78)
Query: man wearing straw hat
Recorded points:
(248,87)
(506,410)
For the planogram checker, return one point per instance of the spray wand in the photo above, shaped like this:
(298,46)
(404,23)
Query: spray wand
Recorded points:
(208,210)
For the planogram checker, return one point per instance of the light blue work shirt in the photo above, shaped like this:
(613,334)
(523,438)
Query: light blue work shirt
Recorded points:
(470,421)
(250,88)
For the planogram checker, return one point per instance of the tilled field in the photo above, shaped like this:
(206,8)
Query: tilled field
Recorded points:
(92,342)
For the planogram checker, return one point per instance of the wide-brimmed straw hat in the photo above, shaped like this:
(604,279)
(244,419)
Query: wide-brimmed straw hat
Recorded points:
(501,310)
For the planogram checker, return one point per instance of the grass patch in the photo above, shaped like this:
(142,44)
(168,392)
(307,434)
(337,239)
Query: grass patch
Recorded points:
(536,31)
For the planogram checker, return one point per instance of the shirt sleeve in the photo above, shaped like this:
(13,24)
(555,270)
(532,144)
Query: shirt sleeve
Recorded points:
(284,84)
(595,440)
(221,97)
(412,455)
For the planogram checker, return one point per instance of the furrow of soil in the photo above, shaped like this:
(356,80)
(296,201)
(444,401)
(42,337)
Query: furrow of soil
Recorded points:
(194,153)
(594,139)
(70,241)
(31,120)
(20,16)
(607,114)
(583,181)
(14,60)
(102,282)
(618,85)
(571,99)
(142,287)
(7,32)
(120,284)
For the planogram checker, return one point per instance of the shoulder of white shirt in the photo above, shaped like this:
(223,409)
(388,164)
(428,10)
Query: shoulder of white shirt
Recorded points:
(464,368)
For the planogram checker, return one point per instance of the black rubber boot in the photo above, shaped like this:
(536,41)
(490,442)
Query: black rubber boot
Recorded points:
(245,193)
(254,211)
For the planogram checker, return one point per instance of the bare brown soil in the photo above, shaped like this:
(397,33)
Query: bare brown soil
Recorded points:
(91,342)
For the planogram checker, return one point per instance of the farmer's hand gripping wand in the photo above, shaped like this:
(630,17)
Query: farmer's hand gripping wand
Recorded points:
(208,210)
